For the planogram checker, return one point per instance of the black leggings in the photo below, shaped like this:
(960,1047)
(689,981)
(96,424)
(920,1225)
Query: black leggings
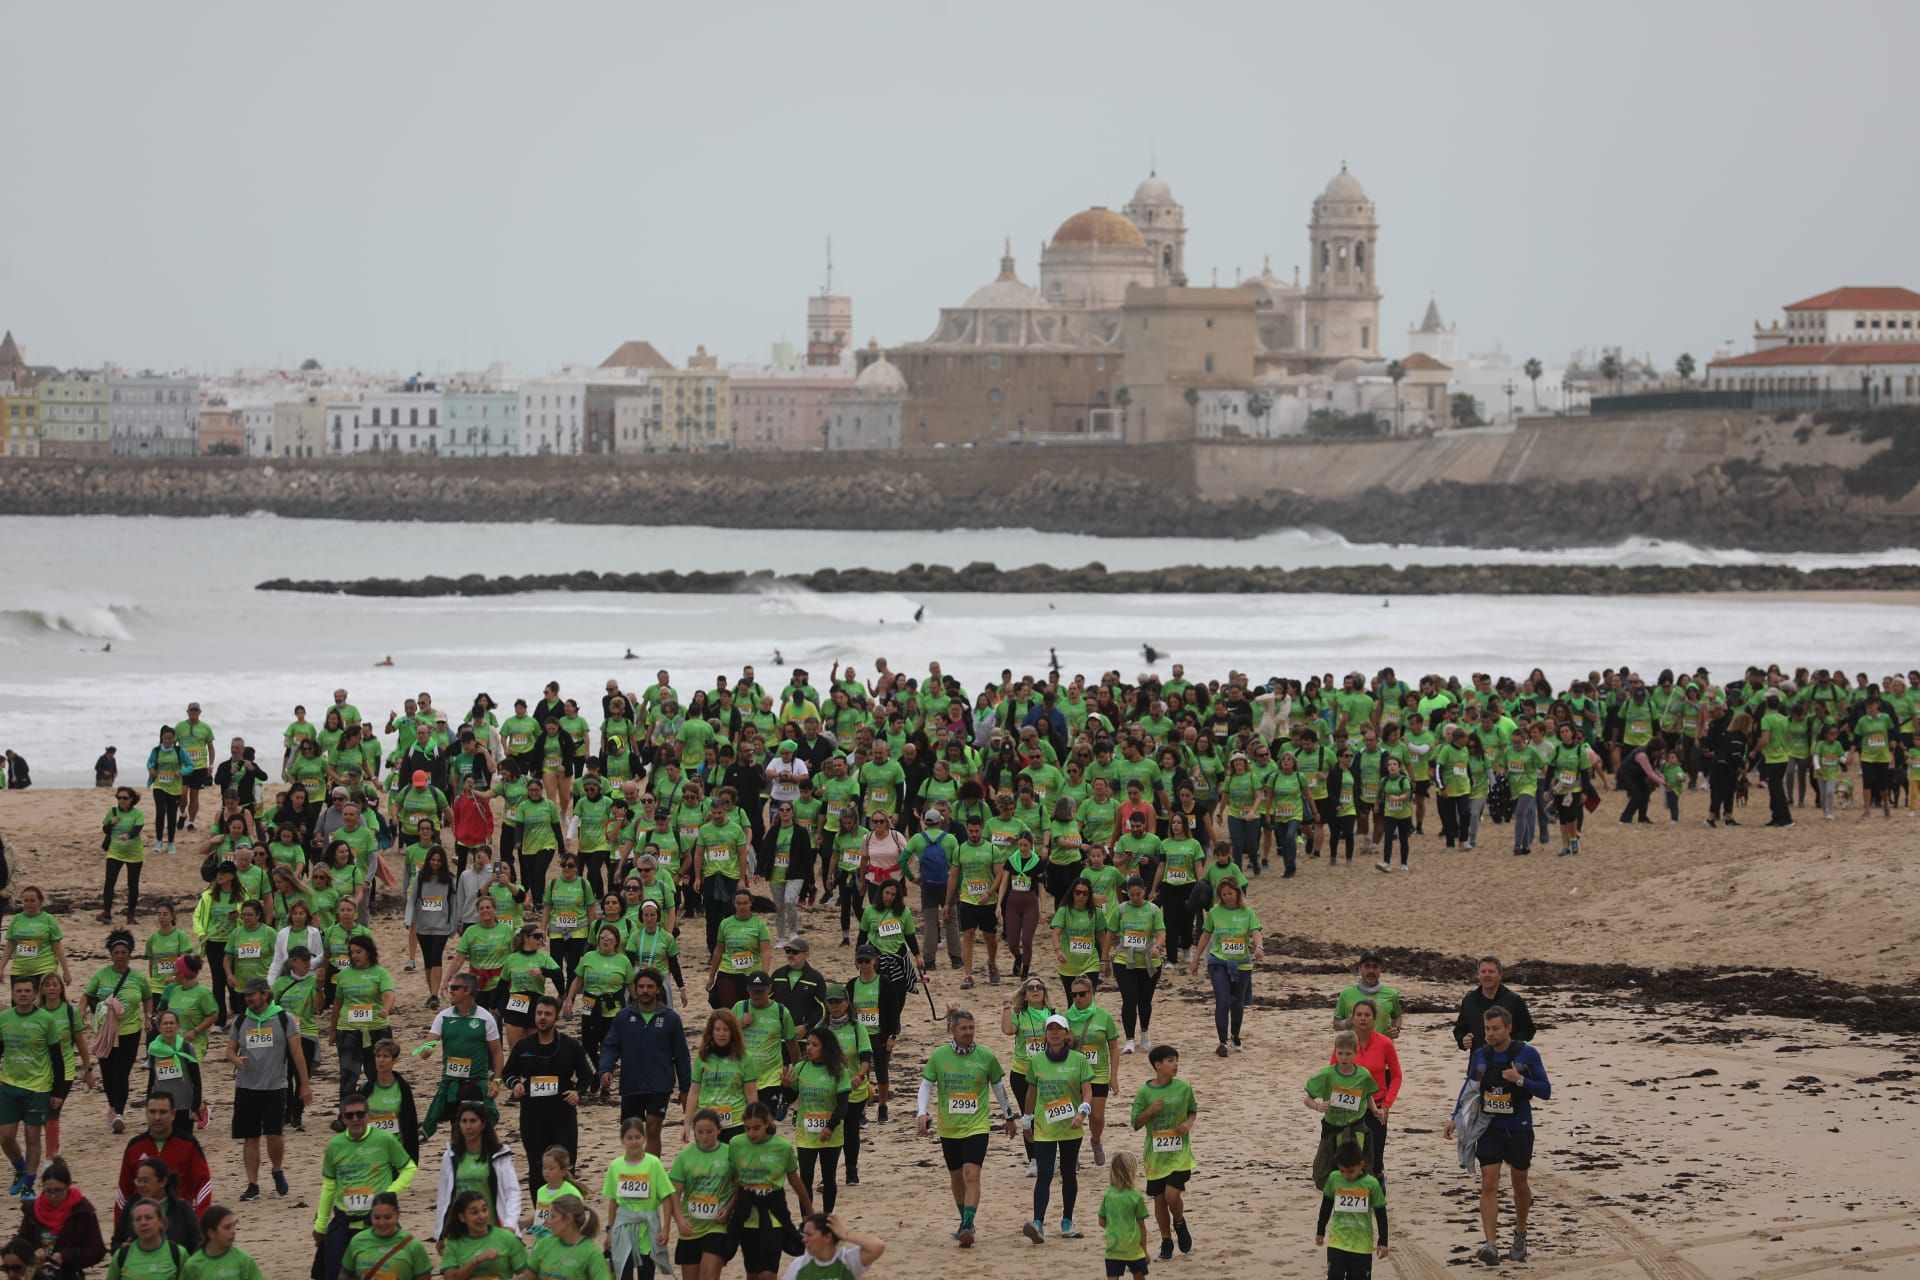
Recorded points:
(117,1069)
(217,967)
(567,953)
(828,1158)
(1397,829)
(1173,906)
(1068,1151)
(166,816)
(850,1146)
(593,1032)
(1341,832)
(433,948)
(133,885)
(593,866)
(1136,996)
(847,888)
(533,874)
(1017,1083)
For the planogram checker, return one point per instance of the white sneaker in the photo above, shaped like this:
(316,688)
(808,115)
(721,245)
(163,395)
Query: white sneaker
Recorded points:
(1383,866)
(1146,1043)
(1033,1168)
(1127,1047)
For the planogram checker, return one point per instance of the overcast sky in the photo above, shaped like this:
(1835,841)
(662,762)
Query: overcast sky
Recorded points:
(438,185)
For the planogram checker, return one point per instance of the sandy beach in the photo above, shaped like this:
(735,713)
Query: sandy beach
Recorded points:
(1728,1017)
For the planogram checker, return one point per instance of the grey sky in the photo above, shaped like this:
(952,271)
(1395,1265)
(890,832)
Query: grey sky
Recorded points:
(436,185)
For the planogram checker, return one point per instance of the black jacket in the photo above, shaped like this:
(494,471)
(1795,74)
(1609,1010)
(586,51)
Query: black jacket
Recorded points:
(563,1058)
(802,994)
(1473,1010)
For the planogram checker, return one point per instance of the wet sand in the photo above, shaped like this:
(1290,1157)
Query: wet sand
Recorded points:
(1719,1110)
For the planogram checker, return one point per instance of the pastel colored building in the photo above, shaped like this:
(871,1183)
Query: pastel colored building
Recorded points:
(222,431)
(19,422)
(73,415)
(481,422)
(152,415)
(299,428)
(779,409)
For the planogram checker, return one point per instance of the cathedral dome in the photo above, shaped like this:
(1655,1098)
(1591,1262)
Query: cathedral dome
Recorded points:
(1344,186)
(1153,191)
(880,378)
(1099,226)
(1005,292)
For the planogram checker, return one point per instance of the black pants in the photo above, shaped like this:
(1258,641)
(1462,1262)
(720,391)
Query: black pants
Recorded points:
(593,1033)
(117,1070)
(333,1248)
(828,1159)
(846,886)
(1720,791)
(716,899)
(1342,1265)
(1136,996)
(1402,830)
(133,884)
(1376,1146)
(1778,812)
(1341,832)
(166,816)
(217,968)
(567,953)
(1453,814)
(296,1111)
(594,867)
(533,874)
(850,1146)
(544,1124)
(1173,906)
(1067,1150)
(1638,794)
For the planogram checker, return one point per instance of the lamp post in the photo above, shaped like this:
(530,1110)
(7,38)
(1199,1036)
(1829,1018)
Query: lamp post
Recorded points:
(1509,389)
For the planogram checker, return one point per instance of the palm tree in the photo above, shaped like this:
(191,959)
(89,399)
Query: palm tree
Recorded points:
(1610,370)
(1533,369)
(1395,372)
(1684,366)
(1259,405)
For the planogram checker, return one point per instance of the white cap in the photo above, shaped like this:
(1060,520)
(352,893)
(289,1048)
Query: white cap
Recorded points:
(1059,1020)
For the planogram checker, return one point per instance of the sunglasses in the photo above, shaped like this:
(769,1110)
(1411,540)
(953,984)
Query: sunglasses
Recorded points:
(353,1115)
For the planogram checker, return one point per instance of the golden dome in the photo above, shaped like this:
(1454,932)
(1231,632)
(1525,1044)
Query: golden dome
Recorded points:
(1099,226)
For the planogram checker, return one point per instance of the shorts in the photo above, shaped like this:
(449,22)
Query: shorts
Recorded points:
(1116,1267)
(1101,1090)
(642,1104)
(1513,1147)
(197,779)
(1876,777)
(509,1018)
(1568,808)
(1423,789)
(258,1113)
(964,1151)
(1177,1180)
(19,1105)
(981,917)
(720,1244)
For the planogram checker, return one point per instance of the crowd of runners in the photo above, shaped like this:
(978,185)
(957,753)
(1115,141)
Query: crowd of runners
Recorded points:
(597,902)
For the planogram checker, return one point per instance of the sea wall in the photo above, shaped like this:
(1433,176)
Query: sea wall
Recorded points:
(1712,479)
(1045,579)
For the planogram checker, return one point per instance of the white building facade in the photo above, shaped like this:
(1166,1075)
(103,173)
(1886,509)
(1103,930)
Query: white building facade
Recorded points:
(480,423)
(553,413)
(150,416)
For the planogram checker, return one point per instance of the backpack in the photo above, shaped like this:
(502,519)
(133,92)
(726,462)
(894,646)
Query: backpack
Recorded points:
(933,859)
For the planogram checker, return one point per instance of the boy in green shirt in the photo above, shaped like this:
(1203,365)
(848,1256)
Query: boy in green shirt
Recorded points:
(1166,1108)
(1353,1215)
(1343,1094)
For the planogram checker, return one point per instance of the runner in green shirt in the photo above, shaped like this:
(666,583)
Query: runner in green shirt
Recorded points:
(636,1187)
(703,1184)
(1165,1107)
(953,1100)
(822,1084)
(1094,1036)
(1353,1206)
(1080,939)
(1059,1101)
(35,943)
(472,1248)
(725,1078)
(1123,1219)
(218,1258)
(31,1064)
(1231,940)
(383,1251)
(1343,1092)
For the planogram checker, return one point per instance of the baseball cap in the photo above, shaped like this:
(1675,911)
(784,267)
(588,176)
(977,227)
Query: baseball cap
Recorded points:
(866,952)
(419,777)
(788,744)
(759,982)
(798,944)
(836,992)
(1059,1020)
(1373,957)
(260,985)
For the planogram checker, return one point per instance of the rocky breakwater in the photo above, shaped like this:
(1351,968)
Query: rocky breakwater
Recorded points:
(1043,579)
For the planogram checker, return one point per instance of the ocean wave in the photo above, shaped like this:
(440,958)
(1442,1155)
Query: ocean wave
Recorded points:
(884,608)
(93,622)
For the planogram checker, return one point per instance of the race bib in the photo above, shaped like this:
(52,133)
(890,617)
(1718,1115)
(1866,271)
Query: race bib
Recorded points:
(26,950)
(741,960)
(870,1019)
(725,1111)
(888,929)
(259,1038)
(1091,1052)
(634,1186)
(782,860)
(1058,1113)
(360,1015)
(1233,946)
(705,1208)
(566,921)
(459,1068)
(519,1002)
(1497,1102)
(433,903)
(357,1199)
(976,888)
(1345,1100)
(167,1069)
(1036,1045)
(963,1104)
(1459,771)
(1876,741)
(880,797)
(386,1122)
(1350,1202)
(1133,940)
(1168,1141)
(1080,946)
(543,1087)
(247,951)
(718,858)
(817,1121)
(1021,883)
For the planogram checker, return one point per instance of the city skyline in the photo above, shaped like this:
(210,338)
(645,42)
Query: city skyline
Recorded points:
(539,192)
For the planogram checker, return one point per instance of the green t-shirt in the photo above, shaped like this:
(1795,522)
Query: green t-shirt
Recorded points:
(1180,861)
(361,1169)
(723,1085)
(1345,1094)
(231,1265)
(192,1006)
(364,1251)
(719,847)
(1350,1229)
(1094,1034)
(358,993)
(1134,929)
(1123,1214)
(739,944)
(977,865)
(31,1042)
(1874,734)
(123,827)
(604,976)
(761,1166)
(1053,1094)
(1386,1000)
(771,1027)
(888,931)
(1234,931)
(1779,736)
(567,908)
(143,1264)
(458,1251)
(132,990)
(252,952)
(705,1181)
(33,937)
(487,949)
(1080,938)
(641,1185)
(537,820)
(1165,1150)
(582,1260)
(817,1091)
(962,1089)
(162,950)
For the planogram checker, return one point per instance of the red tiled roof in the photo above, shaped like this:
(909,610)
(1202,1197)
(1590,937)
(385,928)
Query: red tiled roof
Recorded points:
(1828,353)
(636,355)
(1861,298)
(1421,360)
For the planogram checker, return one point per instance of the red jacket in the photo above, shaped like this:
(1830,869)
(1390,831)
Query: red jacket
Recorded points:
(183,1156)
(472,822)
(1382,1061)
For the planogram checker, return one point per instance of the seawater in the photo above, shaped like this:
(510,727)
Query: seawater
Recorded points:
(175,599)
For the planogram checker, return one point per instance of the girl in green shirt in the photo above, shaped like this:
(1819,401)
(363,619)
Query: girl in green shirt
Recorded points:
(167,943)
(822,1086)
(724,1079)
(472,1247)
(35,943)
(249,952)
(1080,938)
(218,1258)
(1231,939)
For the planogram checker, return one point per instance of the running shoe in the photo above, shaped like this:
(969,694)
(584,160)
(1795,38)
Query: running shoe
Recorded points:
(1067,1230)
(411,966)
(1146,1043)
(1221,1052)
(965,1237)
(1035,1231)
(252,1192)
(1099,1158)
(1489,1253)
(1127,1047)
(1185,1236)
(117,1122)
(1383,866)
(883,1113)
(19,1183)
(1518,1251)
(1166,1250)
(279,1182)
(1033,1168)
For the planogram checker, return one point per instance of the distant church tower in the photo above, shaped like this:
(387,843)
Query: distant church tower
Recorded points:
(1164,224)
(829,321)
(1432,337)
(1342,300)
